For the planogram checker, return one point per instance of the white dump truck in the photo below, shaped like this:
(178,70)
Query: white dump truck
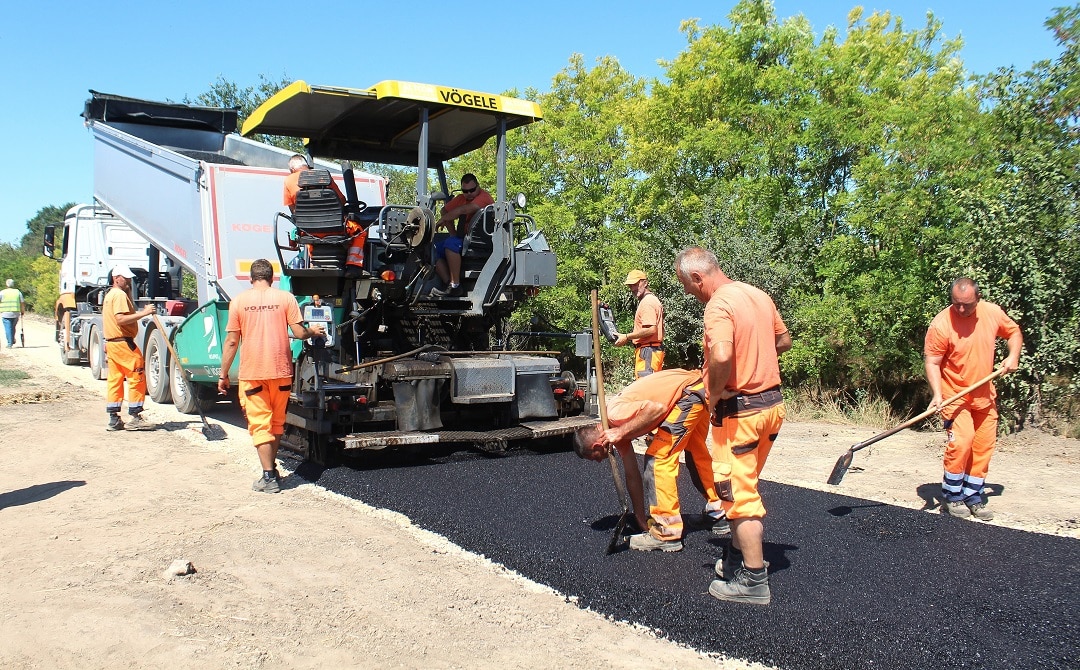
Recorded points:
(176,192)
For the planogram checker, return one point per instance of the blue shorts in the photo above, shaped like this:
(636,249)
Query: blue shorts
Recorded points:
(450,243)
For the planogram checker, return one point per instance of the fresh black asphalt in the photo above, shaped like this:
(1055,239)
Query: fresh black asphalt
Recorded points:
(855,584)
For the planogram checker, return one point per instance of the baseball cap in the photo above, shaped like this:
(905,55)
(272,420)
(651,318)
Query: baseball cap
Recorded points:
(634,277)
(122,271)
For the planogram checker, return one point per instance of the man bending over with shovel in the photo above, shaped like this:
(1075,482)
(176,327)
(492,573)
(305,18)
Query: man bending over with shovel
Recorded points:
(669,406)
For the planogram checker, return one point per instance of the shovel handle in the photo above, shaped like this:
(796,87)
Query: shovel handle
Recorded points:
(933,410)
(601,400)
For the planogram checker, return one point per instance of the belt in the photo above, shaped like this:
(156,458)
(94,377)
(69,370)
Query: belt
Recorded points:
(770,397)
(658,345)
(129,340)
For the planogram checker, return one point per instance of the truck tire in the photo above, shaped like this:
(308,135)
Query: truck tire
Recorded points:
(185,395)
(95,353)
(69,357)
(157,368)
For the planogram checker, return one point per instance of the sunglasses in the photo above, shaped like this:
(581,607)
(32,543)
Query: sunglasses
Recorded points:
(470,190)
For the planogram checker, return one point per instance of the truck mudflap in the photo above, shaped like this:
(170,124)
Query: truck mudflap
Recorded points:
(494,440)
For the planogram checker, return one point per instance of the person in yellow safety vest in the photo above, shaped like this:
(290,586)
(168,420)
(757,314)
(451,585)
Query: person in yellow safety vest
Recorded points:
(12,307)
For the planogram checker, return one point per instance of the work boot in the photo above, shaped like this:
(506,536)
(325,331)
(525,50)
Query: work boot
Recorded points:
(114,423)
(730,564)
(745,587)
(137,422)
(719,526)
(264,485)
(956,508)
(649,542)
(979,511)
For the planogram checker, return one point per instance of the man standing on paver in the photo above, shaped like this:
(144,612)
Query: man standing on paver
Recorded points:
(958,351)
(744,336)
(648,334)
(669,407)
(260,320)
(120,325)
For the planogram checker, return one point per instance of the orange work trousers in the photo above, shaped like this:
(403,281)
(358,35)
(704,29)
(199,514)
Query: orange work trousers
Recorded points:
(125,362)
(264,403)
(746,439)
(648,359)
(970,435)
(684,430)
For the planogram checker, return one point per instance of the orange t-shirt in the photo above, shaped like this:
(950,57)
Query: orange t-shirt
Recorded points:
(117,302)
(650,313)
(482,199)
(745,316)
(967,347)
(665,386)
(262,317)
(292,187)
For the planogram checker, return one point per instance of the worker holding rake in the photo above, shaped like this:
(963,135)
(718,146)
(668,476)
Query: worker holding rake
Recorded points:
(959,349)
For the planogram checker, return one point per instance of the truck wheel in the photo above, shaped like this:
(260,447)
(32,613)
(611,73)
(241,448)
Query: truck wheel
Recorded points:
(185,395)
(157,368)
(95,352)
(69,357)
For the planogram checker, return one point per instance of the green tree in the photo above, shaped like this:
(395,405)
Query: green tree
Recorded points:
(1021,237)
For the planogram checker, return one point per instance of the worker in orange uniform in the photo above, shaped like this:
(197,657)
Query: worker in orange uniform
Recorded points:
(120,325)
(648,333)
(669,407)
(354,259)
(959,351)
(260,320)
(744,336)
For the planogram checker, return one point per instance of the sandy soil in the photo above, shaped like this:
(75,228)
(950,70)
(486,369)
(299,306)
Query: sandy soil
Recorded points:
(92,520)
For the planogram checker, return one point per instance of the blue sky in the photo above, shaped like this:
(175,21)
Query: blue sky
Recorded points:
(54,52)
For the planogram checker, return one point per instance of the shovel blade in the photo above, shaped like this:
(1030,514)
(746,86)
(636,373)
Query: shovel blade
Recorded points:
(616,537)
(213,433)
(841,467)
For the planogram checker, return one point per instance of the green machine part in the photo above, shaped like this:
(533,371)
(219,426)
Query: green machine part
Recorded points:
(199,340)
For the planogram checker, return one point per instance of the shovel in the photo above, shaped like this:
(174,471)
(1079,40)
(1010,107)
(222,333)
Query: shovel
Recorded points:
(844,462)
(209,431)
(620,485)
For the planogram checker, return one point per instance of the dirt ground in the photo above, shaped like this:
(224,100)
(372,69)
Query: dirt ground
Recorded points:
(92,520)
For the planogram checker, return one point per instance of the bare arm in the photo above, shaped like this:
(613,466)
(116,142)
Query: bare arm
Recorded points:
(783,342)
(1016,344)
(650,414)
(720,361)
(932,364)
(302,333)
(228,353)
(132,317)
(634,485)
(646,333)
(451,214)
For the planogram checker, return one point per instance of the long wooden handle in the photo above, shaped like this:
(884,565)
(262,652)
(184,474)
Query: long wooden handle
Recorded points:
(916,419)
(620,485)
(597,364)
(165,336)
